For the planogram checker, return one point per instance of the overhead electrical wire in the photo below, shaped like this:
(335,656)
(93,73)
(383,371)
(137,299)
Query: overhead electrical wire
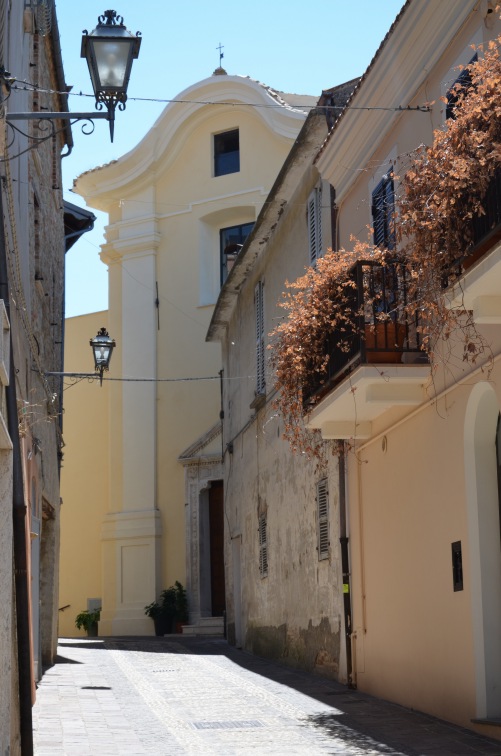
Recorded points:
(425,108)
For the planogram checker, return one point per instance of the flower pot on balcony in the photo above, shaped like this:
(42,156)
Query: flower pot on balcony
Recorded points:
(384,342)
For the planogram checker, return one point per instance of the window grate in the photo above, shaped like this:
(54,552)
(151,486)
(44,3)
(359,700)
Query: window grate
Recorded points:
(260,346)
(263,546)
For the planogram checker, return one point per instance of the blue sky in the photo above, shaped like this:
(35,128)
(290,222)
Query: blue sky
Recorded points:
(292,46)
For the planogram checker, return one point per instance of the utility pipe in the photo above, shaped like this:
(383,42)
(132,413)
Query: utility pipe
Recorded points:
(345,565)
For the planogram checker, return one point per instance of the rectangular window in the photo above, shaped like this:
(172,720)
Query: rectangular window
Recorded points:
(263,546)
(323,542)
(260,355)
(315,225)
(226,153)
(457,566)
(383,209)
(461,85)
(231,241)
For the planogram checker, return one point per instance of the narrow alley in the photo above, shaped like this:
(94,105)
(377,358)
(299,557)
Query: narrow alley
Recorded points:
(173,695)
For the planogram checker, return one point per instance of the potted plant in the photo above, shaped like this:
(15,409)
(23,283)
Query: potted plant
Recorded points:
(182,615)
(88,620)
(163,612)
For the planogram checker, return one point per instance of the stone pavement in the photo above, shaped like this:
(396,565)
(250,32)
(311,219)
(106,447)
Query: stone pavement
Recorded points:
(176,695)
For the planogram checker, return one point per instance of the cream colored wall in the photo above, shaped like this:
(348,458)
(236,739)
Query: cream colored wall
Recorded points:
(84,476)
(188,241)
(414,634)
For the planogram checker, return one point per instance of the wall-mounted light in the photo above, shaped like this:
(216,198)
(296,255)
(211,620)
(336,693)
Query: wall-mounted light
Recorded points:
(109,51)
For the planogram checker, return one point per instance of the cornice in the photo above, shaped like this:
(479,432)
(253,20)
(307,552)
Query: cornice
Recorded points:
(194,453)
(135,246)
(420,37)
(212,459)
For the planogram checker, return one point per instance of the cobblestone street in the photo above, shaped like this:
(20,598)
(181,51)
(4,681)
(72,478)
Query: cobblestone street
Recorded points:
(173,696)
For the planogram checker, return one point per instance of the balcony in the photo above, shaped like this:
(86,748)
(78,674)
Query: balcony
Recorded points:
(486,229)
(479,285)
(377,365)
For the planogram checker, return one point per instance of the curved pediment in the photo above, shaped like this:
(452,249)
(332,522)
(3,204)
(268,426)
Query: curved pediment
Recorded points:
(180,118)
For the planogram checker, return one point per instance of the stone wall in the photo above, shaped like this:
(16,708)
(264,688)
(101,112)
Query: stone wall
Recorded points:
(33,212)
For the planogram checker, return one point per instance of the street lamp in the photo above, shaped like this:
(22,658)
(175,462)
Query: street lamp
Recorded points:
(109,51)
(102,349)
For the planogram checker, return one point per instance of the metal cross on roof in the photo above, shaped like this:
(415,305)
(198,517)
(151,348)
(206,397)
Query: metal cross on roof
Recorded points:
(221,54)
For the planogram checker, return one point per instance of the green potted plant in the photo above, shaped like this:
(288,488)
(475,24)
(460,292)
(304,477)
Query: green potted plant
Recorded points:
(87,620)
(182,616)
(163,612)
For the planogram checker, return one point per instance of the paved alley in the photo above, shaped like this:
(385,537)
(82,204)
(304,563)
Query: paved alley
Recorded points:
(174,695)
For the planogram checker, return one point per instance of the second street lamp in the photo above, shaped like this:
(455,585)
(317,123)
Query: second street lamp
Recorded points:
(102,348)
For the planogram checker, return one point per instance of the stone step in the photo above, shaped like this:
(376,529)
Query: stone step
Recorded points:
(206,626)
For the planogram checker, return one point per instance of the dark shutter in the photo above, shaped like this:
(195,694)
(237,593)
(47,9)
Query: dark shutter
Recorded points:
(323,519)
(460,86)
(383,208)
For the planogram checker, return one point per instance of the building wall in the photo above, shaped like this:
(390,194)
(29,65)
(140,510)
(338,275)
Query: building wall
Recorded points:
(84,476)
(36,247)
(425,477)
(414,637)
(294,612)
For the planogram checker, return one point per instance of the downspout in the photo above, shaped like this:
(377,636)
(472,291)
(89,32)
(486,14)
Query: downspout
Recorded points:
(25,671)
(345,566)
(221,412)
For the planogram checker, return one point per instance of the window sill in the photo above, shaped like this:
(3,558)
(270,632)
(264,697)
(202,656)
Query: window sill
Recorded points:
(258,402)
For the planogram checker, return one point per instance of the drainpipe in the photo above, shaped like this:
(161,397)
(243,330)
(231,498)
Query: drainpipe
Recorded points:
(221,413)
(25,671)
(345,565)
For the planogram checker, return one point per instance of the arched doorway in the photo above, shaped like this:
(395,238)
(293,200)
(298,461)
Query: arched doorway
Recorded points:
(482,494)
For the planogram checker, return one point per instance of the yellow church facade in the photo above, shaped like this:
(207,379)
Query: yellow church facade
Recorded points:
(180,206)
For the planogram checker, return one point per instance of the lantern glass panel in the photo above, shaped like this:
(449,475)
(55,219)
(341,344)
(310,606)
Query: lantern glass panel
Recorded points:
(112,57)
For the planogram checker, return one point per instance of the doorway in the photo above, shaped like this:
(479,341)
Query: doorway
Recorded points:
(216,530)
(212,578)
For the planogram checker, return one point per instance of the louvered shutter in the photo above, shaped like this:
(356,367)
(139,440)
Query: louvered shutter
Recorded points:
(383,207)
(461,85)
(260,355)
(323,519)
(315,225)
(263,547)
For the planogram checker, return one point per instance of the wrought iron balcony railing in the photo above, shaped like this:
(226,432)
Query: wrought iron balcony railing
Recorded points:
(487,228)
(381,332)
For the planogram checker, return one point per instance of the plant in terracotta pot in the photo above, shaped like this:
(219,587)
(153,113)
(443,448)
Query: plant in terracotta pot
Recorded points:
(182,616)
(87,620)
(163,611)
